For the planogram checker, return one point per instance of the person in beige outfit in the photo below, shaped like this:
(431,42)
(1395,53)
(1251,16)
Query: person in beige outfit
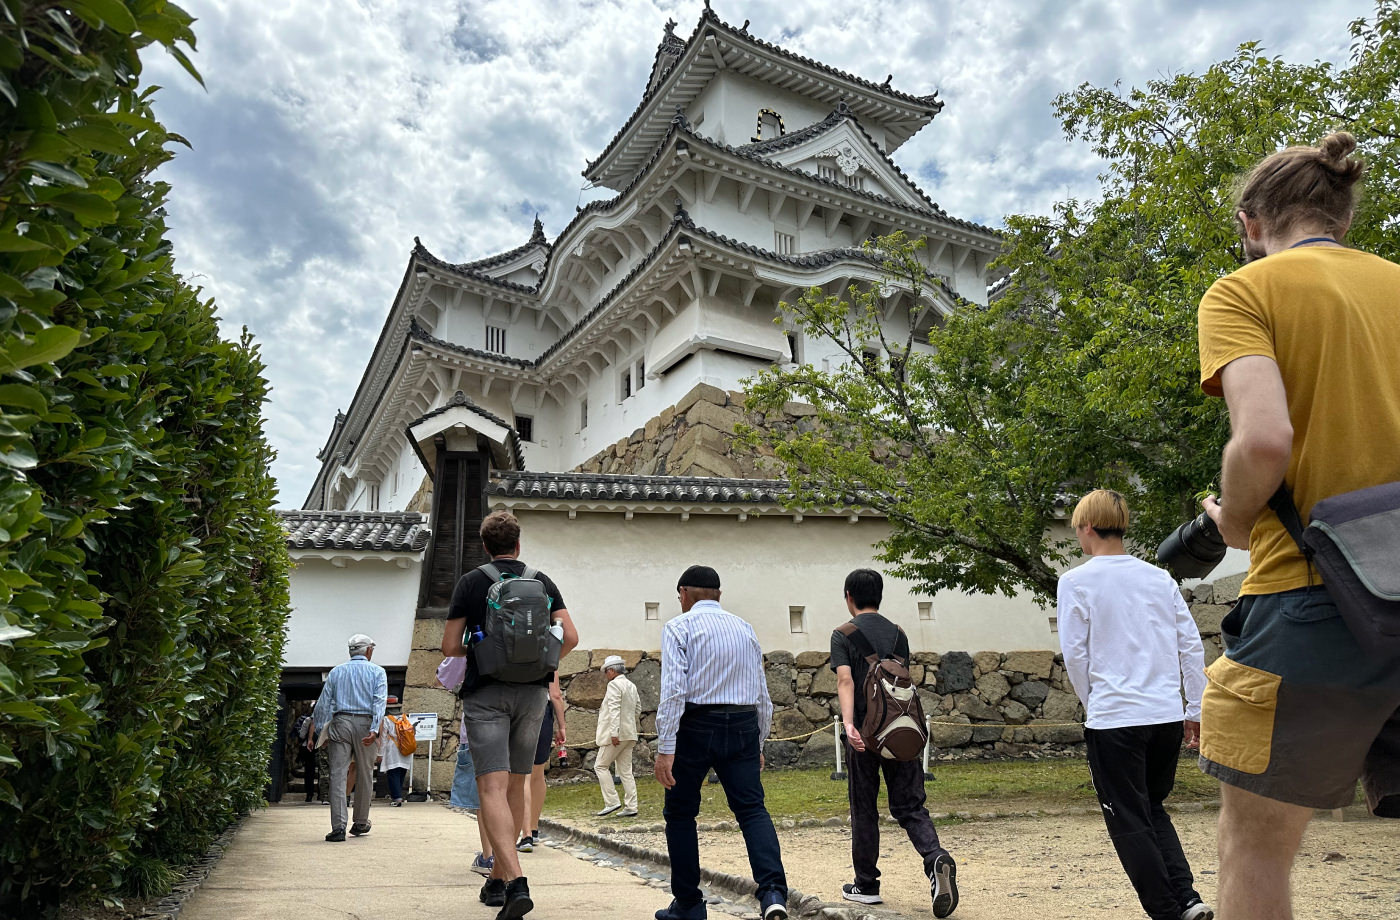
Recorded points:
(617,735)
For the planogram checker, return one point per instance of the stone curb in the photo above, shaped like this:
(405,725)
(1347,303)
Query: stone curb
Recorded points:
(733,885)
(169,907)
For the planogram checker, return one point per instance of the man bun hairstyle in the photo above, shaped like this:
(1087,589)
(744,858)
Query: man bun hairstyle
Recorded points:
(500,533)
(1104,510)
(1304,186)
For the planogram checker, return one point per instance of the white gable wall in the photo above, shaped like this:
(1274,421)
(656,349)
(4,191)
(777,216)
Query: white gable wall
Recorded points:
(331,603)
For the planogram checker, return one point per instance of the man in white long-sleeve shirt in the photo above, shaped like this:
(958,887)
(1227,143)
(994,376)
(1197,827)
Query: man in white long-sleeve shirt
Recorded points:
(1130,648)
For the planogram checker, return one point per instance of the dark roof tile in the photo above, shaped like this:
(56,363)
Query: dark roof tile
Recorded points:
(380,532)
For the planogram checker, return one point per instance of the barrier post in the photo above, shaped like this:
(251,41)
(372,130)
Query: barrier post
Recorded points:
(928,745)
(836,733)
(430,766)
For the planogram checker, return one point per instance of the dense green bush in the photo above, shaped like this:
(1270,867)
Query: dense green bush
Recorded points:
(143,575)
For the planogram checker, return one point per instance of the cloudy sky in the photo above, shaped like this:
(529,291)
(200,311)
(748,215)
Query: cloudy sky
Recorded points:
(331,133)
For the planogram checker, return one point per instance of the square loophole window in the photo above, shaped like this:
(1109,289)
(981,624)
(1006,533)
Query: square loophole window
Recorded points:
(797,619)
(653,610)
(1054,625)
(925,610)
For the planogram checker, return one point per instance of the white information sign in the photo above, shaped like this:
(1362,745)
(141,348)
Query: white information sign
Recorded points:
(425,725)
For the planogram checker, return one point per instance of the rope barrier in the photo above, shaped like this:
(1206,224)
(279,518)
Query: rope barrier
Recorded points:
(959,724)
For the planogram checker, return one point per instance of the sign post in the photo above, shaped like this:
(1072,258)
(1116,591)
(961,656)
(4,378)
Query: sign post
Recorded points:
(425,728)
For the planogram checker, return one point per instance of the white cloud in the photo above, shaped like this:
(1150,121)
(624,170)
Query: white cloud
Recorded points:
(333,133)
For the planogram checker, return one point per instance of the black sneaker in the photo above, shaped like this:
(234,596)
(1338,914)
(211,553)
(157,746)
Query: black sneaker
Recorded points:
(493,893)
(359,830)
(854,892)
(337,836)
(943,885)
(1197,910)
(517,900)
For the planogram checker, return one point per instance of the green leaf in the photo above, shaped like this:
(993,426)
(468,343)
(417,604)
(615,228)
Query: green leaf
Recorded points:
(58,173)
(8,91)
(9,634)
(24,396)
(101,137)
(44,347)
(87,207)
(112,13)
(10,242)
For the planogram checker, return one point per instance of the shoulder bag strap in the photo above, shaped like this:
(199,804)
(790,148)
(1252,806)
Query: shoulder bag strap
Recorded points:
(1282,504)
(862,644)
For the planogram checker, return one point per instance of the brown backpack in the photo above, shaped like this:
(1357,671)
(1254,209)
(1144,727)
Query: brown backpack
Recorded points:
(404,736)
(894,725)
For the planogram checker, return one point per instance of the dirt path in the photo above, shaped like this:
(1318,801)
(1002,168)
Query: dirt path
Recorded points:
(1064,868)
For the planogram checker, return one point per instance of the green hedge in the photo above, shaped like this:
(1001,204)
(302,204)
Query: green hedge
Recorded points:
(143,574)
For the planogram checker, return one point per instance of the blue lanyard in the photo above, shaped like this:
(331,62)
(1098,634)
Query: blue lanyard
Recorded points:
(1313,239)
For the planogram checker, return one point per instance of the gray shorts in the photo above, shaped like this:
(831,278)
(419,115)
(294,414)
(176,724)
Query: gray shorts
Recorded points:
(503,726)
(1295,710)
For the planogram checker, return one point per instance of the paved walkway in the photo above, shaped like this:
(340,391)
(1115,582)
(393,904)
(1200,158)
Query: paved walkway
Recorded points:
(413,864)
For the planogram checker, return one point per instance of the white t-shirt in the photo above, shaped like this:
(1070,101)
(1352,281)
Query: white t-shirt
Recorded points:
(1130,643)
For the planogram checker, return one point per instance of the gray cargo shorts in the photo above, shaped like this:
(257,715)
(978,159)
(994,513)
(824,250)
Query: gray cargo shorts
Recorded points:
(503,726)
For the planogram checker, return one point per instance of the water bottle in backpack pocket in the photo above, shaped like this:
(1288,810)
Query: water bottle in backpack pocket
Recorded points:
(518,644)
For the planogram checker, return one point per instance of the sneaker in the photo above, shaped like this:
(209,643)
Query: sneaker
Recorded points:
(359,830)
(1198,910)
(630,813)
(493,893)
(860,895)
(776,908)
(336,836)
(526,845)
(397,803)
(943,885)
(607,810)
(483,865)
(674,911)
(517,900)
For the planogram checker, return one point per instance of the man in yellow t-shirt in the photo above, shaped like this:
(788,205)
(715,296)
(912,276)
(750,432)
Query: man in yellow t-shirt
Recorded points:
(1304,344)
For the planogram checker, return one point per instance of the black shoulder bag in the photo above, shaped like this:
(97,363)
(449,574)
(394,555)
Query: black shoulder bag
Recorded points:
(1354,541)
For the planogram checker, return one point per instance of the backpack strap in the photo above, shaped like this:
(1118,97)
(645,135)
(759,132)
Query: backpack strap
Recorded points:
(490,571)
(530,573)
(863,647)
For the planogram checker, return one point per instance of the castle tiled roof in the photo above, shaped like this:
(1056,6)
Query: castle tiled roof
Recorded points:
(460,400)
(363,531)
(613,487)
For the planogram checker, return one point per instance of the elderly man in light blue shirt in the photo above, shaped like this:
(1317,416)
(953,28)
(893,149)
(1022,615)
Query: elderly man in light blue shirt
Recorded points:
(349,712)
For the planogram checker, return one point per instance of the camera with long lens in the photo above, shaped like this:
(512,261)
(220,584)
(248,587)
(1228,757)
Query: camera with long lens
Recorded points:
(1193,549)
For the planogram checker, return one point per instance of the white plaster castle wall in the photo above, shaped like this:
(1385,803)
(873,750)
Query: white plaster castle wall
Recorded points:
(331,603)
(609,569)
(731,102)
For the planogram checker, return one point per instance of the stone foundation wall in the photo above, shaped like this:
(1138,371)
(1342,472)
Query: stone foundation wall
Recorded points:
(695,437)
(983,704)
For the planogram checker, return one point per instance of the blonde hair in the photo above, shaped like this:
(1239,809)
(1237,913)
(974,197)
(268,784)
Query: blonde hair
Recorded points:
(1104,510)
(1303,185)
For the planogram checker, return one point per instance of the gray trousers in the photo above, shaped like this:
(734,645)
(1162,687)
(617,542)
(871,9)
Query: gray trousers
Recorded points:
(346,732)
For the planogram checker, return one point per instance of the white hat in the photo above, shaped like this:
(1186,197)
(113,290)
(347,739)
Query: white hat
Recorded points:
(613,662)
(359,643)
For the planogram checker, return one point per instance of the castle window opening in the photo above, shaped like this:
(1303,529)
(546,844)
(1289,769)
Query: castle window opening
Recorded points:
(495,339)
(797,619)
(525,427)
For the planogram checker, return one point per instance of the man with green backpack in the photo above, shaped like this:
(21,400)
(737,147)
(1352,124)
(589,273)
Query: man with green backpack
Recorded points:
(510,622)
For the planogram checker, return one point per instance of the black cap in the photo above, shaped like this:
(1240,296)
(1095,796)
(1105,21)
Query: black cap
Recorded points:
(699,576)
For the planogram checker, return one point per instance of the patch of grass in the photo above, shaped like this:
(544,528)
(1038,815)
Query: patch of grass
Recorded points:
(1018,785)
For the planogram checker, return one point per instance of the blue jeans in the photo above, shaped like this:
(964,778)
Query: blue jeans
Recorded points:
(464,781)
(728,742)
(395,779)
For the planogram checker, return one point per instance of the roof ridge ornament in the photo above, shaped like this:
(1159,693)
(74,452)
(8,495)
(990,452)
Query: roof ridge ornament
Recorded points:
(537,234)
(842,108)
(679,119)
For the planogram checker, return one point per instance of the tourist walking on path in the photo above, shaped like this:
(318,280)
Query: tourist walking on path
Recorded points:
(351,706)
(616,736)
(1130,647)
(904,779)
(501,718)
(552,734)
(1302,343)
(393,763)
(450,675)
(714,714)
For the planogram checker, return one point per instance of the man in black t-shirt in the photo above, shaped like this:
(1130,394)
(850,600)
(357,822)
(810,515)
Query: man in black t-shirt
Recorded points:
(904,780)
(501,719)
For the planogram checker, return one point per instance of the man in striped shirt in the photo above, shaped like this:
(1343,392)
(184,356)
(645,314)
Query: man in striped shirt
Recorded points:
(714,713)
(352,705)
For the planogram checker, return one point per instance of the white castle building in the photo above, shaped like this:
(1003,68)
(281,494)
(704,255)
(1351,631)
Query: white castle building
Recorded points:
(526,380)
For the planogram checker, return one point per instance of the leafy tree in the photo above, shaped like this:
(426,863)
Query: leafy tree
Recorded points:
(142,570)
(1082,372)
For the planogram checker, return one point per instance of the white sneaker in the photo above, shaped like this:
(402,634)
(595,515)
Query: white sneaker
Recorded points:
(1198,911)
(609,810)
(853,892)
